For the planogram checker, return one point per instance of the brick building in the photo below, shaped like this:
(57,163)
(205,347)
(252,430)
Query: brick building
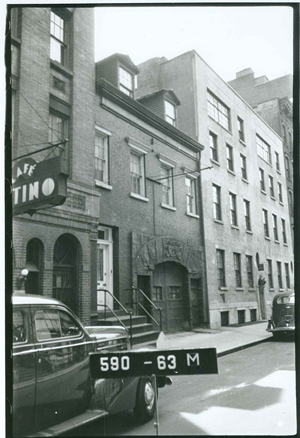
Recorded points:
(272,100)
(244,193)
(133,216)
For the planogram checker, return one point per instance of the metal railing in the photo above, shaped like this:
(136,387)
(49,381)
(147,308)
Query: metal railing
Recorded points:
(137,305)
(106,306)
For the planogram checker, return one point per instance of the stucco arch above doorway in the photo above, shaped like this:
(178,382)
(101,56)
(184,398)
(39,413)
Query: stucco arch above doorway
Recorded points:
(149,251)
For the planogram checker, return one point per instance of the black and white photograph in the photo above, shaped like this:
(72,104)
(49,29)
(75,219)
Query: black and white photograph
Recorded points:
(150,269)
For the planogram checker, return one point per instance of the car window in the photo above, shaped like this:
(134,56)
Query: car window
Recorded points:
(19,327)
(47,324)
(69,327)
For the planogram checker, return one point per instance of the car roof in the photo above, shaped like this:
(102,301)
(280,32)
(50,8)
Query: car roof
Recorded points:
(22,299)
(283,294)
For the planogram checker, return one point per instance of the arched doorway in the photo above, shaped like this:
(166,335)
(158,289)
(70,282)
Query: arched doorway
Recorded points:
(170,291)
(65,271)
(34,262)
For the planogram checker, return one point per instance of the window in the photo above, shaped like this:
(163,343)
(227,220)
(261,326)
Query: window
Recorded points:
(237,269)
(58,39)
(190,187)
(167,185)
(279,275)
(19,327)
(277,161)
(247,215)
(213,145)
(262,179)
(287,276)
(266,223)
(241,129)
(279,186)
(217,202)
(126,82)
(283,231)
(233,212)
(275,229)
(229,151)
(249,266)
(218,110)
(244,167)
(47,324)
(271,186)
(58,132)
(270,274)
(284,136)
(157,293)
(101,158)
(137,173)
(174,293)
(290,140)
(69,326)
(170,112)
(221,267)
(287,167)
(291,200)
(263,149)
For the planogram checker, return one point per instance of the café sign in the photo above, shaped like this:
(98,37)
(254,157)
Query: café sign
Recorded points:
(38,186)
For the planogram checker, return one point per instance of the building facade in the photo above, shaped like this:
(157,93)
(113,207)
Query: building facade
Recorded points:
(132,217)
(273,101)
(244,188)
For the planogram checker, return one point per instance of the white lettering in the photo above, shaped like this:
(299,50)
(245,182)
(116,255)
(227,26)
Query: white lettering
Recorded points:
(190,359)
(104,363)
(24,193)
(48,187)
(26,166)
(31,169)
(125,363)
(33,190)
(16,192)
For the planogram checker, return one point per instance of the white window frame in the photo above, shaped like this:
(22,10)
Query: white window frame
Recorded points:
(193,186)
(59,40)
(105,134)
(166,164)
(139,149)
(168,117)
(123,87)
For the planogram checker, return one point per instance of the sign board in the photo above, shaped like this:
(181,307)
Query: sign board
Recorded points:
(37,186)
(261,267)
(154,362)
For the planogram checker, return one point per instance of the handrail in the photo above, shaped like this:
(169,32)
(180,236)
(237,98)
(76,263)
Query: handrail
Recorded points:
(151,303)
(115,315)
(145,310)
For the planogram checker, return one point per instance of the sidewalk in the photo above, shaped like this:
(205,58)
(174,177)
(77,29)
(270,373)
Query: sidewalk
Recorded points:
(226,340)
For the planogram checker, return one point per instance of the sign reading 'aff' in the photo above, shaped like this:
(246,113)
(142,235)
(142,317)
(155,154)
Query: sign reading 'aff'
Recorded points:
(156,362)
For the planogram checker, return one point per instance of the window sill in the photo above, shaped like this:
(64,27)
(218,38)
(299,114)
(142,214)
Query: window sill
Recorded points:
(103,185)
(239,288)
(218,221)
(273,197)
(215,162)
(262,191)
(245,180)
(281,203)
(223,288)
(251,289)
(168,207)
(231,171)
(277,241)
(285,244)
(272,289)
(242,141)
(249,232)
(278,171)
(61,68)
(235,227)
(281,289)
(196,216)
(267,238)
(139,197)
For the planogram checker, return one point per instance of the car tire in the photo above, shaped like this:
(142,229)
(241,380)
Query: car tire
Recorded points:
(145,400)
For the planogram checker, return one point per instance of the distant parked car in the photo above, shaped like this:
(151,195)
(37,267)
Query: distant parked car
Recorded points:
(52,388)
(282,321)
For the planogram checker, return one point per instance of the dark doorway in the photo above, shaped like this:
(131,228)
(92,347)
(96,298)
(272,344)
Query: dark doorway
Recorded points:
(241,316)
(34,261)
(224,319)
(65,271)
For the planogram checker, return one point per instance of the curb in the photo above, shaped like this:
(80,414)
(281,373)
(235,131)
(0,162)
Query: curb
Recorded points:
(244,346)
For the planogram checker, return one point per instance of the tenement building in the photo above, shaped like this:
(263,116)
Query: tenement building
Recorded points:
(243,187)
(106,193)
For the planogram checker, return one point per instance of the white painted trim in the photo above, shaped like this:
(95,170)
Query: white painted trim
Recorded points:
(137,145)
(168,207)
(102,130)
(140,197)
(102,184)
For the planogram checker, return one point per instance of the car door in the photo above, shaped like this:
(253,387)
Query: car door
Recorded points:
(63,385)
(23,373)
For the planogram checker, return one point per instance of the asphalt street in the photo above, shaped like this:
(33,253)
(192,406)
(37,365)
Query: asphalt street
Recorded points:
(253,394)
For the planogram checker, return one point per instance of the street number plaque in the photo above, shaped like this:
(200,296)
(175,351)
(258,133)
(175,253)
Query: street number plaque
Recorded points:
(157,362)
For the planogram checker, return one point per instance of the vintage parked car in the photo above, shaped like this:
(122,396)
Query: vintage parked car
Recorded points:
(282,321)
(52,388)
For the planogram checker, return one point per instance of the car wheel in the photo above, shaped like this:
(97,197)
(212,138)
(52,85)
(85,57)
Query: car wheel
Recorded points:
(145,400)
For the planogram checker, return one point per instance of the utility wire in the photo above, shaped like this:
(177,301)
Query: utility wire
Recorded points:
(178,174)
(35,110)
(40,150)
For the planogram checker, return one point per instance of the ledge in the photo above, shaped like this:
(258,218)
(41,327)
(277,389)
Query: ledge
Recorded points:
(196,216)
(251,289)
(267,238)
(249,232)
(273,197)
(215,162)
(231,171)
(245,180)
(235,227)
(61,68)
(242,141)
(281,203)
(139,197)
(218,221)
(285,244)
(224,288)
(262,191)
(168,207)
(103,185)
(239,288)
(278,171)
(277,241)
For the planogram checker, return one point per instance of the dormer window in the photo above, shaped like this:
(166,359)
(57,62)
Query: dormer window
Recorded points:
(126,82)
(170,113)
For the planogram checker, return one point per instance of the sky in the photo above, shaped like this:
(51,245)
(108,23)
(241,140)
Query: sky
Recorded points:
(229,39)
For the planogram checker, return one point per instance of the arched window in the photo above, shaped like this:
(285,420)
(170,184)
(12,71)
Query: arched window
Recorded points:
(34,264)
(287,167)
(290,140)
(291,200)
(284,137)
